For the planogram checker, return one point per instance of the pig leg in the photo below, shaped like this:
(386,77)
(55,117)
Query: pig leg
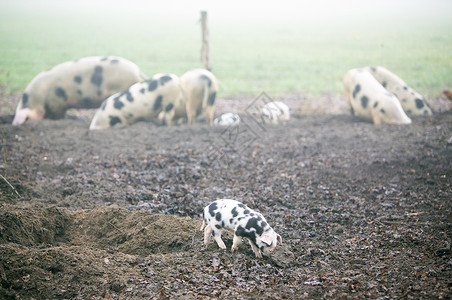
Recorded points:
(169,114)
(210,113)
(236,242)
(190,114)
(202,226)
(256,250)
(207,234)
(190,108)
(376,117)
(217,237)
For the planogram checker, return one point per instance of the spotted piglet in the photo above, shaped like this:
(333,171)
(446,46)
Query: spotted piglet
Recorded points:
(275,112)
(243,222)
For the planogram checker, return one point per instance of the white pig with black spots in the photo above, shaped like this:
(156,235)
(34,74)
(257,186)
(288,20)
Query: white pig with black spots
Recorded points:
(82,83)
(275,112)
(227,119)
(412,102)
(370,100)
(243,222)
(200,89)
(143,101)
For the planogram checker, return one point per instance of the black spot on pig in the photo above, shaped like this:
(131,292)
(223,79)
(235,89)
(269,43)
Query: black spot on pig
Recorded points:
(356,90)
(152,85)
(169,107)
(142,90)
(114,61)
(158,103)
(86,102)
(117,103)
(405,87)
(251,235)
(384,84)
(129,96)
(114,120)
(50,114)
(61,93)
(246,211)
(382,111)
(218,226)
(375,104)
(241,205)
(164,79)
(104,58)
(364,101)
(212,208)
(234,212)
(78,79)
(252,223)
(79,92)
(373,69)
(211,99)
(96,78)
(218,216)
(207,79)
(419,103)
(25,100)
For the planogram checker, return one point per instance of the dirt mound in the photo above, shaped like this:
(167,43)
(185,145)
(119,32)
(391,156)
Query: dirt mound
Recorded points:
(112,228)
(63,254)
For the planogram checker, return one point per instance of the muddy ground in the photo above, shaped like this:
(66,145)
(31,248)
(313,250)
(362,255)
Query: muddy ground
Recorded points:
(364,211)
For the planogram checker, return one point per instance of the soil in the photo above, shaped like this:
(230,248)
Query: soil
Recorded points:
(364,211)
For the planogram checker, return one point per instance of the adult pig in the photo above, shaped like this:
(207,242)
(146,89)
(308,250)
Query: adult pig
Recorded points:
(143,101)
(412,102)
(83,83)
(370,100)
(200,90)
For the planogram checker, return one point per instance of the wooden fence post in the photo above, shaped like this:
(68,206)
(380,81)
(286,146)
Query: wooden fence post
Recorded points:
(205,51)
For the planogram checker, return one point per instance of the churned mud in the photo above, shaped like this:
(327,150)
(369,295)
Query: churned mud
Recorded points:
(364,211)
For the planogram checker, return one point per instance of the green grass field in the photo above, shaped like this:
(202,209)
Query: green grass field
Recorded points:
(278,55)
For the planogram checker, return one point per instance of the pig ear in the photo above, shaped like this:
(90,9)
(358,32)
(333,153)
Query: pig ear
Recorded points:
(267,239)
(279,239)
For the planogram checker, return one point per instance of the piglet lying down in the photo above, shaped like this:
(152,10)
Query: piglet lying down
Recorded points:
(236,217)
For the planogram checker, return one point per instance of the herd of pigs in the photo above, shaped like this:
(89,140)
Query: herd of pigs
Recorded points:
(123,95)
